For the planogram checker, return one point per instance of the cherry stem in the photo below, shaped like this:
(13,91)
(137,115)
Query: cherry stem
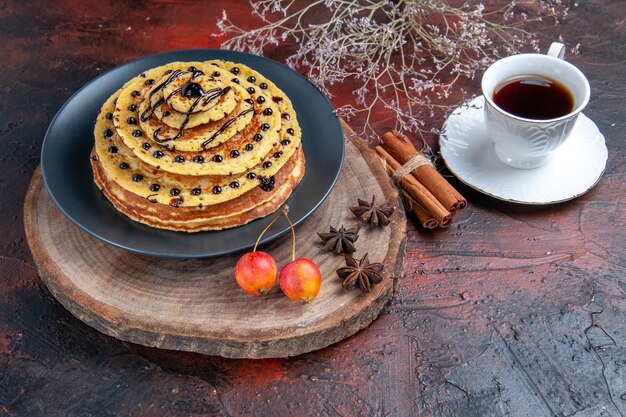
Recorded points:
(293,237)
(283,211)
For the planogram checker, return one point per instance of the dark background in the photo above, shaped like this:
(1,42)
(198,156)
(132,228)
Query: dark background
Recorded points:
(514,310)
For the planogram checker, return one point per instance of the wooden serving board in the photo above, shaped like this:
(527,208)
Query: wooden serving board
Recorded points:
(195,304)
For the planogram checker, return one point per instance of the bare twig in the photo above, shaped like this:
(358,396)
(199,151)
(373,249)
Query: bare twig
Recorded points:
(405,55)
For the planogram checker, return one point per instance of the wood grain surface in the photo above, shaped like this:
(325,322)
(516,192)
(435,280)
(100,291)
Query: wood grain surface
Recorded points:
(195,305)
(512,311)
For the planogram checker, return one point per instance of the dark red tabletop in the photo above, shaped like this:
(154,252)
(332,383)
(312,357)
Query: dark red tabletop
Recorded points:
(514,310)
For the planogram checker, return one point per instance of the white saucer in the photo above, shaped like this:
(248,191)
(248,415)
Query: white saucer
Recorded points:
(573,169)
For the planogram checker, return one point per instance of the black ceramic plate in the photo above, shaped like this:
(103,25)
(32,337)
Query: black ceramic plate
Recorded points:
(69,139)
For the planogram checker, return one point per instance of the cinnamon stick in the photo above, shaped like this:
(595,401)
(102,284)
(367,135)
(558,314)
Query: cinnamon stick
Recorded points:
(403,150)
(426,220)
(417,192)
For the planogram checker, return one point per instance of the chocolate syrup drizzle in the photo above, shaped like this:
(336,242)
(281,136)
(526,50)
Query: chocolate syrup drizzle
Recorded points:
(147,114)
(217,92)
(188,89)
(225,126)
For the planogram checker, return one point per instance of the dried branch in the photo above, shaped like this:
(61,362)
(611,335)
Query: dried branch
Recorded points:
(405,55)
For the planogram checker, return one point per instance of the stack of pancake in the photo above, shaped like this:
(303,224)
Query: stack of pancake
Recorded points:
(192,146)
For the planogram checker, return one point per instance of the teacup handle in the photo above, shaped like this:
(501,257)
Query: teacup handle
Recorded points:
(557,50)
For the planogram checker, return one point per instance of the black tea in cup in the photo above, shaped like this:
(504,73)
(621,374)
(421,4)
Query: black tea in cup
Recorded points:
(534,97)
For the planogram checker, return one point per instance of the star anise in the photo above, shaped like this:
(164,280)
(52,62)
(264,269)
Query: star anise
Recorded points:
(361,273)
(372,213)
(339,241)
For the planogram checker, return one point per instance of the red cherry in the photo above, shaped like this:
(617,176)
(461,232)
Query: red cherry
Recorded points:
(300,280)
(256,273)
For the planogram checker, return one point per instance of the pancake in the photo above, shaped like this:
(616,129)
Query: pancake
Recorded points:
(194,146)
(250,206)
(145,180)
(233,144)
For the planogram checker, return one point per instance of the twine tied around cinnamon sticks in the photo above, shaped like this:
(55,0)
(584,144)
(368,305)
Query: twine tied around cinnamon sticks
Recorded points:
(426,193)
(409,166)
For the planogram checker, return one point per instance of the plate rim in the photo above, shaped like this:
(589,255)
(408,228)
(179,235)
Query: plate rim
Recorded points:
(196,253)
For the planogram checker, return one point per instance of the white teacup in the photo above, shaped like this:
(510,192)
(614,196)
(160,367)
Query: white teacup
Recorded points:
(528,143)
